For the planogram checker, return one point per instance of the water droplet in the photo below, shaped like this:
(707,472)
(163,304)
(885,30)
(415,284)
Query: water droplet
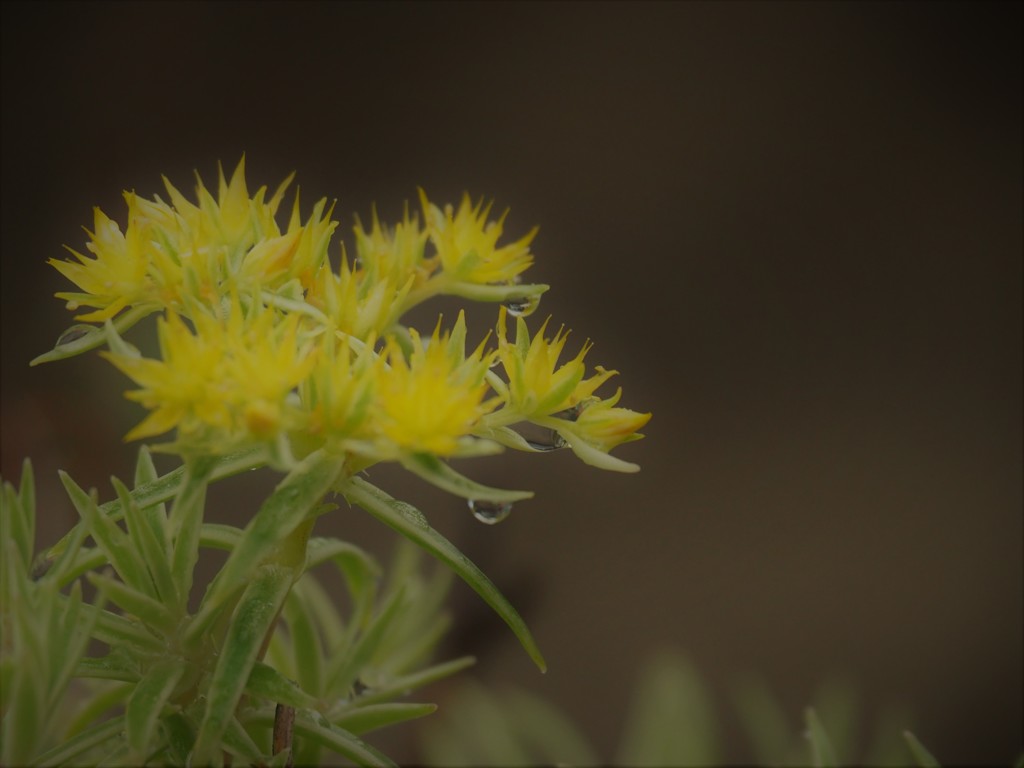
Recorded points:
(573,412)
(541,438)
(490,512)
(522,306)
(74,333)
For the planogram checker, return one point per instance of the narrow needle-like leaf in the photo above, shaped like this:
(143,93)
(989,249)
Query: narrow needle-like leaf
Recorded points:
(401,517)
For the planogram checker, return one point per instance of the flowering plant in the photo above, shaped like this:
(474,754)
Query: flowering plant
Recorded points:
(269,357)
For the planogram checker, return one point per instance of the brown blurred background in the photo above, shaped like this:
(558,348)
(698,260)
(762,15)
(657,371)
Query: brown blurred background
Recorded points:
(794,228)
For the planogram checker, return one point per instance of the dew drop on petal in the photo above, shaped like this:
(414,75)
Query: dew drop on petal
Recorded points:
(490,512)
(522,306)
(74,333)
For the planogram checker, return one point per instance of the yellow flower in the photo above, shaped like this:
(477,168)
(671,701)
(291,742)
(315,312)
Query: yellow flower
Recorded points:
(604,426)
(427,402)
(336,396)
(356,305)
(466,243)
(180,388)
(537,385)
(230,377)
(172,253)
(116,277)
(393,254)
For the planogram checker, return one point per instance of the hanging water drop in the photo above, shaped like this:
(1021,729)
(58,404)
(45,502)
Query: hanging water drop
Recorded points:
(74,333)
(522,306)
(490,512)
(540,438)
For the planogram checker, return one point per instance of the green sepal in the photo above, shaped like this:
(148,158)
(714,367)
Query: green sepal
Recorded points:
(436,472)
(409,522)
(495,293)
(508,437)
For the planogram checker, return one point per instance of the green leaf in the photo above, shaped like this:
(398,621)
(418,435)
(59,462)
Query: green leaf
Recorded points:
(180,738)
(306,647)
(362,720)
(252,621)
(479,732)
(19,515)
(109,538)
(359,571)
(184,525)
(150,540)
(135,603)
(95,336)
(764,722)
(219,536)
(238,742)
(342,675)
(266,682)
(147,701)
(76,634)
(822,753)
(108,667)
(436,472)
(409,522)
(158,491)
(671,719)
(116,630)
(922,756)
(339,741)
(285,510)
(100,704)
(551,734)
(89,739)
(407,683)
(23,724)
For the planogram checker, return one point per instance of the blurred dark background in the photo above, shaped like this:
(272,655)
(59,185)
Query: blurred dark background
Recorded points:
(794,228)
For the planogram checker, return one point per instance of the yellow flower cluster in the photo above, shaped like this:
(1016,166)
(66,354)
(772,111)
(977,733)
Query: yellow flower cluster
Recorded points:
(261,340)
